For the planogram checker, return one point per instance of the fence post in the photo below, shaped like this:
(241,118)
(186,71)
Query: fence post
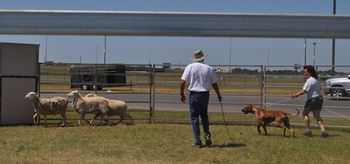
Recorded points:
(151,94)
(263,88)
(154,94)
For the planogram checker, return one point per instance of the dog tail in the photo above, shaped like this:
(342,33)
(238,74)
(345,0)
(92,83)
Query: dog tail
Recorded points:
(297,111)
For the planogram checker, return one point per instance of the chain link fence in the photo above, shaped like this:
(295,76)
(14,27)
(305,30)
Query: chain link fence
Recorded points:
(150,90)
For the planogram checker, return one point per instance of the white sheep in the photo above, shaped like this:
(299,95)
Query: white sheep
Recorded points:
(44,106)
(84,105)
(116,107)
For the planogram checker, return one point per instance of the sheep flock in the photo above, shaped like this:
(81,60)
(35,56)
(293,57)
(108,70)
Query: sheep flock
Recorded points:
(82,105)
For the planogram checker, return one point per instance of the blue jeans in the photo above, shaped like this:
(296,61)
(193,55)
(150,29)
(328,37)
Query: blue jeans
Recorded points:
(198,102)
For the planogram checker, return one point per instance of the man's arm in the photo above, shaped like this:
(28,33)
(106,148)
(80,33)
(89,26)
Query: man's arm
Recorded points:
(216,88)
(182,91)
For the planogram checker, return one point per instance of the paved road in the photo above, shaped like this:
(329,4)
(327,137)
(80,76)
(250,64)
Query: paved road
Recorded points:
(231,103)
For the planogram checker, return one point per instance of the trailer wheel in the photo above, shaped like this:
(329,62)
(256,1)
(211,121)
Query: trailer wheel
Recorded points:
(84,87)
(96,87)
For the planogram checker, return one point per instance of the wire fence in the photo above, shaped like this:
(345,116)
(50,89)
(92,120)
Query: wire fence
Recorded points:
(155,88)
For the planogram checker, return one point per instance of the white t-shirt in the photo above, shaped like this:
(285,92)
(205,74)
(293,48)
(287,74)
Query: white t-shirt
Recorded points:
(312,87)
(200,77)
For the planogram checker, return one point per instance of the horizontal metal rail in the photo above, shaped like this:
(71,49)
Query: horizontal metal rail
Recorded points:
(51,22)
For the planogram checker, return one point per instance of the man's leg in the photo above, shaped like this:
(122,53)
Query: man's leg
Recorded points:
(205,118)
(194,113)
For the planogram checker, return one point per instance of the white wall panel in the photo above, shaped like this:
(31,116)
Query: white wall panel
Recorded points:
(14,108)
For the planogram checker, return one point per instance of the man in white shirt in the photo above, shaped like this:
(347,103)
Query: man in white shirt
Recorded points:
(201,78)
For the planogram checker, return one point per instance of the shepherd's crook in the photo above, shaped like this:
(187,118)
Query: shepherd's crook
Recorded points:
(223,116)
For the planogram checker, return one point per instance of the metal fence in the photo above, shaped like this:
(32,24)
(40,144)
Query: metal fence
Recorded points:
(156,87)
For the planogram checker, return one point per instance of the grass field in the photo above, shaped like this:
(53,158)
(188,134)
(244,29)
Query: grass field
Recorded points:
(168,143)
(169,139)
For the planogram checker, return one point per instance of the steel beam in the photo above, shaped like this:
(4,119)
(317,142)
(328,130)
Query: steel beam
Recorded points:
(39,22)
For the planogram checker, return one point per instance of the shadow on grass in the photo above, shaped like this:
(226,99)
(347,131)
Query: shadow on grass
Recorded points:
(301,136)
(73,124)
(229,145)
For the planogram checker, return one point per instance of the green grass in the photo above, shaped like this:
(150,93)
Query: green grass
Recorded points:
(142,115)
(168,143)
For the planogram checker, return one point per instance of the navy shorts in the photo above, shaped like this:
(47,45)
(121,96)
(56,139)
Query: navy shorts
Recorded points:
(314,103)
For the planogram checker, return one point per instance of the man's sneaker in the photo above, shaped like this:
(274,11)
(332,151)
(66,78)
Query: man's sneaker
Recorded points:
(308,133)
(324,134)
(208,141)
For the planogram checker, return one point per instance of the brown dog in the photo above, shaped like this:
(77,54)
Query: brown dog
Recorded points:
(264,117)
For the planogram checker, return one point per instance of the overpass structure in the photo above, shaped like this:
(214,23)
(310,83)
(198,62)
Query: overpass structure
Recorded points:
(51,22)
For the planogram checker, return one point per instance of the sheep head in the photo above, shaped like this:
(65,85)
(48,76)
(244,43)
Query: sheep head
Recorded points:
(74,94)
(31,96)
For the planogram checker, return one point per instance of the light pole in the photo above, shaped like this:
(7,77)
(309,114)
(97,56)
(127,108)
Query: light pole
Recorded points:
(305,51)
(229,60)
(268,58)
(105,50)
(45,59)
(314,43)
(96,54)
(333,40)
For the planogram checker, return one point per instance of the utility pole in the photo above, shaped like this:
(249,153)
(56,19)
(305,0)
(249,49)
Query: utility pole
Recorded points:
(45,59)
(105,51)
(314,58)
(333,40)
(305,51)
(229,60)
(96,54)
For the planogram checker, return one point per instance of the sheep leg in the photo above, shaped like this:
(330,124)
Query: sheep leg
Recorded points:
(45,120)
(96,116)
(64,119)
(39,119)
(36,118)
(107,120)
(126,115)
(104,117)
(81,117)
(131,119)
(120,120)
(101,119)
(104,109)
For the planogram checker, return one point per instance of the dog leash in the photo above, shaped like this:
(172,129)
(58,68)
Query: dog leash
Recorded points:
(223,116)
(278,102)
